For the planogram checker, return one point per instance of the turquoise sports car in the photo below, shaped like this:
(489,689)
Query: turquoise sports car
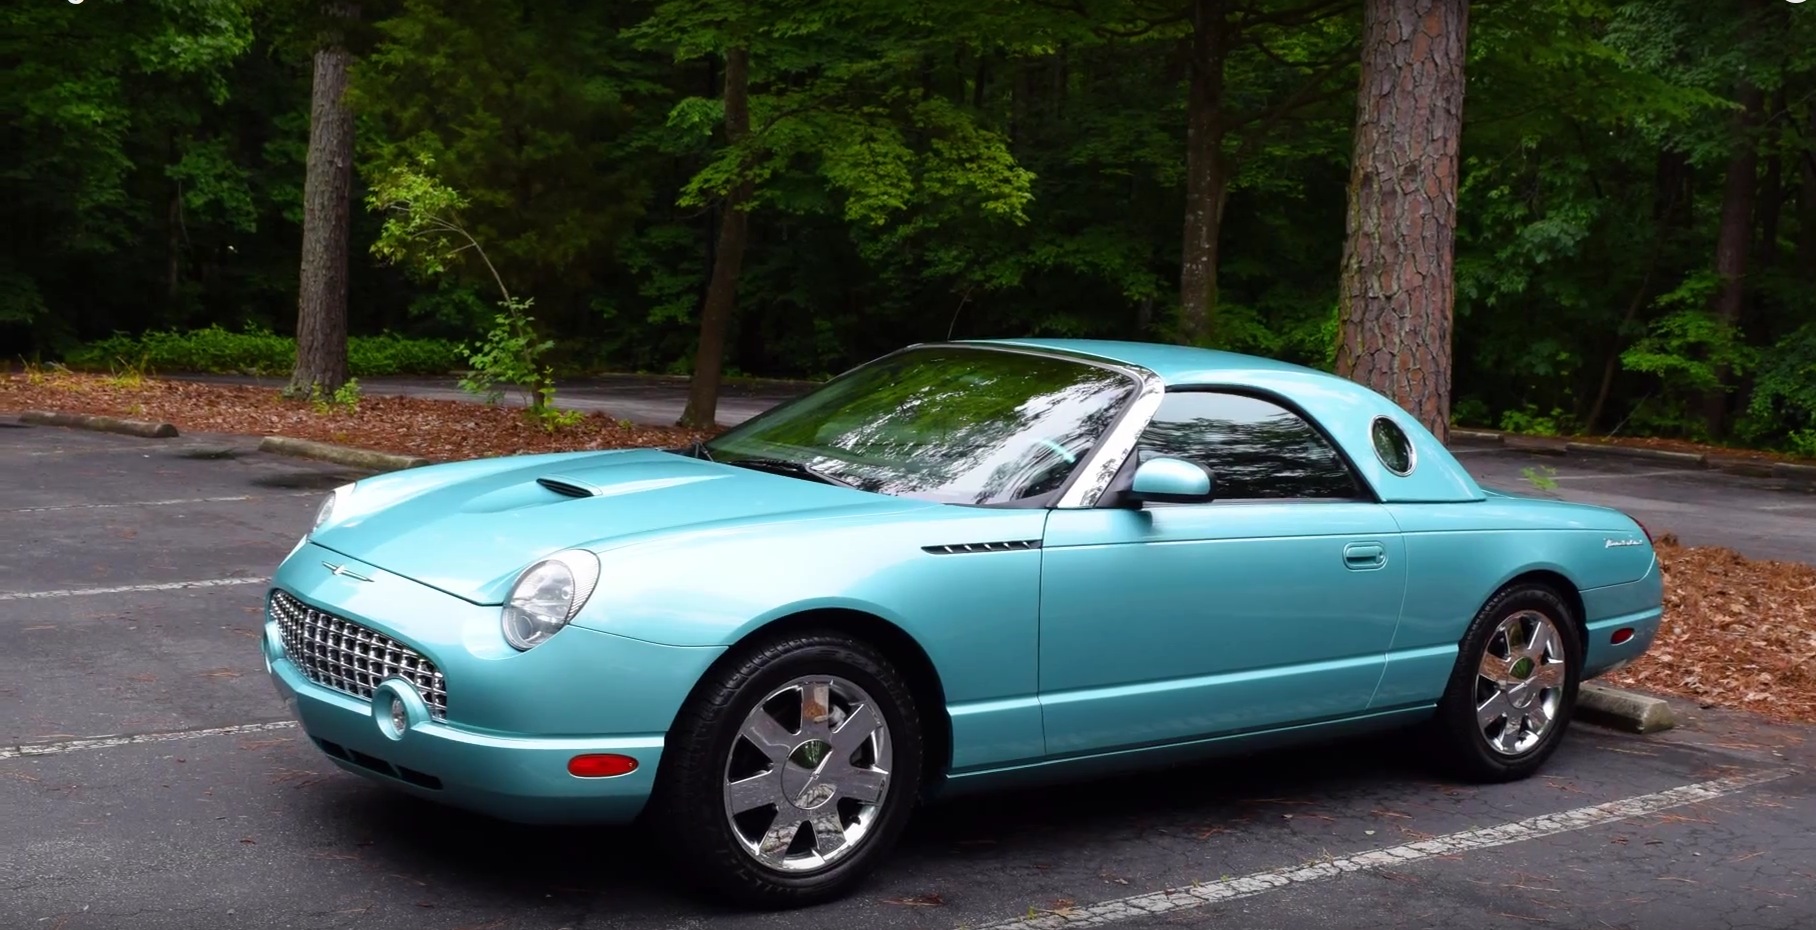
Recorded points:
(959,567)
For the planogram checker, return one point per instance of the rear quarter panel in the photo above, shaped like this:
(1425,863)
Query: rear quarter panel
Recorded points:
(1458,555)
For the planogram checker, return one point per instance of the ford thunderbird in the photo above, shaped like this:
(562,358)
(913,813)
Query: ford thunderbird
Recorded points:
(959,567)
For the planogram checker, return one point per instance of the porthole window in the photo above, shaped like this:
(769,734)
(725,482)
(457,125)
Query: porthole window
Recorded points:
(1392,446)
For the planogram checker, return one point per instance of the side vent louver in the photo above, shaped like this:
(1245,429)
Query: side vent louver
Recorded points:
(564,488)
(1011,545)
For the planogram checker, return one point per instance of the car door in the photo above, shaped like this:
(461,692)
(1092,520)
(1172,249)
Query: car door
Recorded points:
(1271,605)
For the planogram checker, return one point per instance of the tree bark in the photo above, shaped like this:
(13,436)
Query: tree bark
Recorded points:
(1206,179)
(1397,287)
(321,303)
(1735,237)
(728,258)
(1806,202)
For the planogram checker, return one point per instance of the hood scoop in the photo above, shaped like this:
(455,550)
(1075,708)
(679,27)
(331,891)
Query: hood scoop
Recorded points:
(568,487)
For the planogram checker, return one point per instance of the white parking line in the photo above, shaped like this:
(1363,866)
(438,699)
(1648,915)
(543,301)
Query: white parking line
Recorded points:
(168,503)
(127,589)
(1188,897)
(103,742)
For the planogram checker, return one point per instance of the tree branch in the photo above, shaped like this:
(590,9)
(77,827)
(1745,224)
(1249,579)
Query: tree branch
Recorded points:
(1297,16)
(1305,94)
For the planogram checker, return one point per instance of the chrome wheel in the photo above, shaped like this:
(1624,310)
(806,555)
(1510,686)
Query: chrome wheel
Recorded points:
(1520,682)
(808,774)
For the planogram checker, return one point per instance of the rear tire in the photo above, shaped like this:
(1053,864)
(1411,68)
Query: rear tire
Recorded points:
(1513,691)
(791,772)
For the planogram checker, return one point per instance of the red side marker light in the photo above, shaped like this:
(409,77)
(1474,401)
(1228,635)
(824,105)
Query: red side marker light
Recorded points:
(602,765)
(1621,635)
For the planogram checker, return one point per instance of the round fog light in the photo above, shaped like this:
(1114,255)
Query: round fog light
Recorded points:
(397,707)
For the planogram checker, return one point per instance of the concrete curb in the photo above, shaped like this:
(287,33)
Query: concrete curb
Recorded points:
(141,428)
(1789,472)
(1727,464)
(1476,435)
(340,455)
(1638,452)
(1623,710)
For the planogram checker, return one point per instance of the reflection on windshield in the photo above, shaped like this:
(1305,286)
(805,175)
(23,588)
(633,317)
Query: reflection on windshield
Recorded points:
(956,425)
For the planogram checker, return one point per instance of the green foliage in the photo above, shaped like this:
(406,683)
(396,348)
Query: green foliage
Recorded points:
(1784,394)
(1689,348)
(259,352)
(343,399)
(1530,422)
(511,354)
(919,171)
(1543,477)
(423,230)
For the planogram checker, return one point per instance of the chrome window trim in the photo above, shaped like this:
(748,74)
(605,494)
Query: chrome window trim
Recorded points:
(1094,476)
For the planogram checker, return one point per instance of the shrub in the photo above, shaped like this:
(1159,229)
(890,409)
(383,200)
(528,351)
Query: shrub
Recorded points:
(223,352)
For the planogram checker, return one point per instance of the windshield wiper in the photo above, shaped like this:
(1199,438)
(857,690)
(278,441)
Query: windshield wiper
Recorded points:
(696,449)
(792,469)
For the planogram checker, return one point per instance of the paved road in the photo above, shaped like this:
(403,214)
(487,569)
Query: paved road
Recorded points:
(1761,518)
(216,815)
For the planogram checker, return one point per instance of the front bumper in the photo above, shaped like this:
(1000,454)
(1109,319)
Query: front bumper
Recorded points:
(513,719)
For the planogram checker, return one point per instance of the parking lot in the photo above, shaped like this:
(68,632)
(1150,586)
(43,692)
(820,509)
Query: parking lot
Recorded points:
(149,778)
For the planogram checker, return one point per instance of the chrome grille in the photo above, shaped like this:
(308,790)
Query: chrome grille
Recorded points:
(337,653)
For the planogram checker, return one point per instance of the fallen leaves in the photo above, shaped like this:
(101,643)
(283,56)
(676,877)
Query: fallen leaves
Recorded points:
(436,429)
(1738,633)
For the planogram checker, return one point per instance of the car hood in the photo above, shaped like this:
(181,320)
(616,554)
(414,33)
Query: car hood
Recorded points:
(469,528)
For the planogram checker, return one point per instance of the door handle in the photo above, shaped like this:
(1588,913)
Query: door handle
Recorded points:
(1364,556)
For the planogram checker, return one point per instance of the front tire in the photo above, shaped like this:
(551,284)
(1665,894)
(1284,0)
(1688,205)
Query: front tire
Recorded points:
(1513,691)
(791,771)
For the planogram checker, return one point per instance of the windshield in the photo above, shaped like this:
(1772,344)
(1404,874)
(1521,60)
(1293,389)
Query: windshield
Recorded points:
(948,424)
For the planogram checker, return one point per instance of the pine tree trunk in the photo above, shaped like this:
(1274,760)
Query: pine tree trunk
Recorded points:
(1206,184)
(1397,288)
(1735,238)
(728,258)
(321,304)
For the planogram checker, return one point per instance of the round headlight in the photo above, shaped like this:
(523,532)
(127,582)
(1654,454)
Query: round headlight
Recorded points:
(547,595)
(325,512)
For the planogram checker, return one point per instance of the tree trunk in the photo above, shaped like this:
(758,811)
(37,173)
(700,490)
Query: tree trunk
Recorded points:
(728,258)
(1806,201)
(1771,193)
(321,303)
(1735,238)
(1206,182)
(1397,288)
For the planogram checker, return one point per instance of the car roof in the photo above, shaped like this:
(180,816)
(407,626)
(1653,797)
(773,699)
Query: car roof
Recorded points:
(1346,410)
(1173,364)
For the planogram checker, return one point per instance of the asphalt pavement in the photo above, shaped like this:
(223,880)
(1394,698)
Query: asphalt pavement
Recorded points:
(150,779)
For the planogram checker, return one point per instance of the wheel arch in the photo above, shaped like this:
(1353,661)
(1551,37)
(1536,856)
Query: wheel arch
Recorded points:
(902,649)
(1559,584)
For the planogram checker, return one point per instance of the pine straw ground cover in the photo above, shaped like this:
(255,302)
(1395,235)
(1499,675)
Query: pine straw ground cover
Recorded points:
(1738,632)
(435,429)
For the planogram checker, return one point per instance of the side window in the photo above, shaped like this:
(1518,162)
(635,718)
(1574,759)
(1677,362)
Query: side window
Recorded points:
(1254,448)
